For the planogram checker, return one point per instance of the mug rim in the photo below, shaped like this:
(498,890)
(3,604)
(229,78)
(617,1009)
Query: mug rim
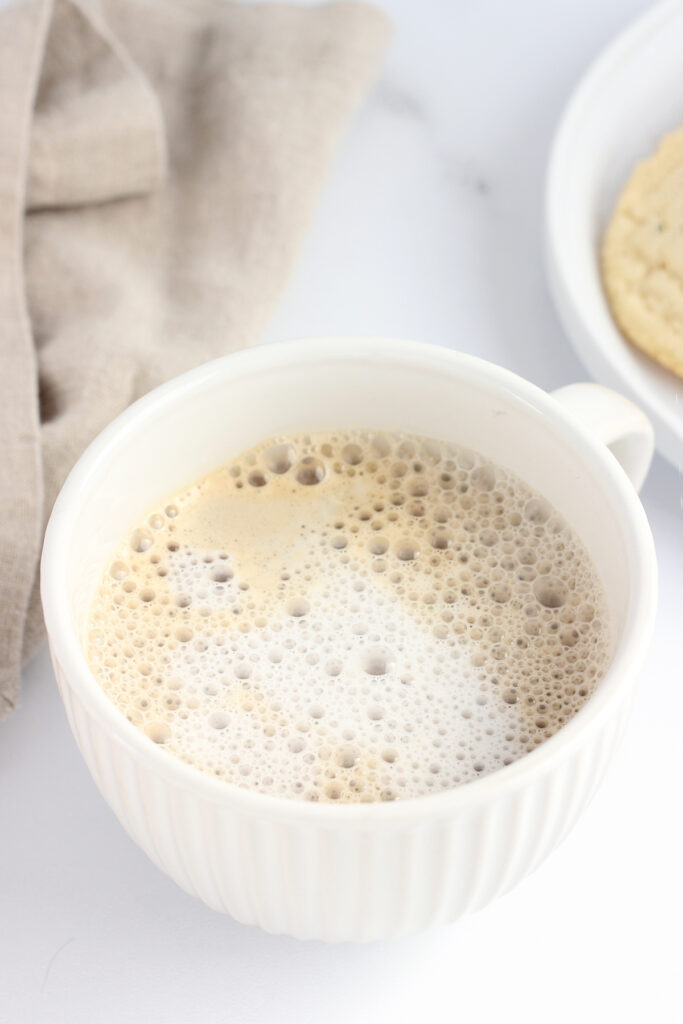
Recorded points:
(626,663)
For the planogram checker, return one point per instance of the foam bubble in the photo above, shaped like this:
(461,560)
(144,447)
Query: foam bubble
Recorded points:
(310,471)
(280,458)
(349,617)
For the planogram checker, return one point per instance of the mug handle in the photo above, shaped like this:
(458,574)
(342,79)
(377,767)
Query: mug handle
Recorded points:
(616,421)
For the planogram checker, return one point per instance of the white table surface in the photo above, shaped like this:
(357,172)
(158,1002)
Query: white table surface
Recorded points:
(430,228)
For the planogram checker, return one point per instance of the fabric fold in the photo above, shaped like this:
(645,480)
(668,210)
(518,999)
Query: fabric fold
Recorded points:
(97,129)
(21,480)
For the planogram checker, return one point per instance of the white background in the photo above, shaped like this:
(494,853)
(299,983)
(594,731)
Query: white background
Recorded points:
(430,228)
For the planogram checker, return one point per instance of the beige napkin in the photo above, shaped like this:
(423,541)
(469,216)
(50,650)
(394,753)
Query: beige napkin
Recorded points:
(159,162)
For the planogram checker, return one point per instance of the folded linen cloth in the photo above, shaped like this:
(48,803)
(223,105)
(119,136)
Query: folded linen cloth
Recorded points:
(159,163)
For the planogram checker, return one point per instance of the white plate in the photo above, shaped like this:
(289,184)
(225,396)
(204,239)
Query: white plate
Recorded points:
(628,99)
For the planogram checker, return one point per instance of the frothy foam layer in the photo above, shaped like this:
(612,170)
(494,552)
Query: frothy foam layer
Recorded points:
(351,617)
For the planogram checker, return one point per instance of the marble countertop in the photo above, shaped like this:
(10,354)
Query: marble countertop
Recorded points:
(430,228)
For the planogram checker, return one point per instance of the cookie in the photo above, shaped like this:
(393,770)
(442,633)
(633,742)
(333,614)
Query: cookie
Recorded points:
(642,255)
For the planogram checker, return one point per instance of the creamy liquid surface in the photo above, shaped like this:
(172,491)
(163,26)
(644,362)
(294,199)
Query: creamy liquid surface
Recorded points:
(350,616)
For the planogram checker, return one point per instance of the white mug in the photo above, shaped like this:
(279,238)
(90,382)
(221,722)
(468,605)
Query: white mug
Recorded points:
(354,871)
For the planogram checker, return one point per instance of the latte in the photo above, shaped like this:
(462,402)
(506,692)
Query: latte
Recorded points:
(350,616)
